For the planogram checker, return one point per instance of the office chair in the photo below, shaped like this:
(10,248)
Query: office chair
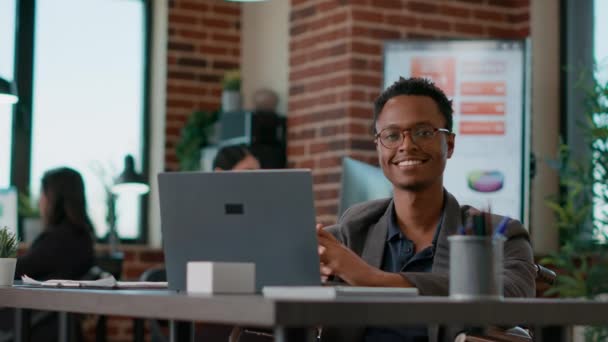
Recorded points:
(515,334)
(158,328)
(492,334)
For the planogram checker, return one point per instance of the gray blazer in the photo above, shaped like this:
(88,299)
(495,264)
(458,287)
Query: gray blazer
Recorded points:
(363,228)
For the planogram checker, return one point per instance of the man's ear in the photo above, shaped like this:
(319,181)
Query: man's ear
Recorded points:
(450,141)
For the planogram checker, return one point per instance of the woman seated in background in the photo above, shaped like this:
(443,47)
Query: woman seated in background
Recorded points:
(235,157)
(64,249)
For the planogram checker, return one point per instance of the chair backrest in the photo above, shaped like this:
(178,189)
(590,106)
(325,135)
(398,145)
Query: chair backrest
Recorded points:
(154,274)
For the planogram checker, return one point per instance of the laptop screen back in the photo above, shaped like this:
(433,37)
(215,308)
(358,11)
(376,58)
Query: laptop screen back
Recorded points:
(266,217)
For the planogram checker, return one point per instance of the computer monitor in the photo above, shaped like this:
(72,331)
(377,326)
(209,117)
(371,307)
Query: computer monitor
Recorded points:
(362,182)
(8,209)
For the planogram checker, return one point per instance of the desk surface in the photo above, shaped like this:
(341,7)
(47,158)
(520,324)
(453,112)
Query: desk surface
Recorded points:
(258,311)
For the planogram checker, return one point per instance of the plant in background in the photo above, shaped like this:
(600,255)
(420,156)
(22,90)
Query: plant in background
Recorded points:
(581,210)
(8,243)
(27,207)
(195,135)
(232,80)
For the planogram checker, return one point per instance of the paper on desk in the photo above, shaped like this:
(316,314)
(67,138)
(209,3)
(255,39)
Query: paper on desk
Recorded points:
(108,283)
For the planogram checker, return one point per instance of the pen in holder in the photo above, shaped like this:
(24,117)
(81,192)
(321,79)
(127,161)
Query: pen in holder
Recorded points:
(476,266)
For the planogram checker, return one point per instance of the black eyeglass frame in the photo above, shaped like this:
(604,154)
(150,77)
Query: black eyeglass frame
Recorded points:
(409,131)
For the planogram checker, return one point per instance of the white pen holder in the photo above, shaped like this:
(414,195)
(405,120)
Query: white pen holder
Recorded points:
(220,277)
(476,267)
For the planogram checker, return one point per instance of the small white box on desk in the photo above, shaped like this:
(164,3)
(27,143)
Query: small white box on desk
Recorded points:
(220,277)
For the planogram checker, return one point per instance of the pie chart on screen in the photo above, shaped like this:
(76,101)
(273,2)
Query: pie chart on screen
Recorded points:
(485,181)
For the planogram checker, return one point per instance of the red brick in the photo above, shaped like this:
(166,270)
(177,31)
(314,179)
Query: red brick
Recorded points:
(225,9)
(186,33)
(230,38)
(303,13)
(378,33)
(326,178)
(367,16)
(401,20)
(298,150)
(152,256)
(454,11)
(177,46)
(422,7)
(327,210)
(489,15)
(217,23)
(330,162)
(435,24)
(327,194)
(519,18)
(500,32)
(305,164)
(367,48)
(473,29)
(181,19)
(304,134)
(194,6)
(388,4)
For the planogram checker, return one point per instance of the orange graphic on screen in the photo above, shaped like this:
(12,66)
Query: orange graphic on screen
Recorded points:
(483,88)
(482,128)
(482,108)
(439,69)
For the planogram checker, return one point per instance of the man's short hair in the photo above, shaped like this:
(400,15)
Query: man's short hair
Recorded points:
(418,87)
(228,156)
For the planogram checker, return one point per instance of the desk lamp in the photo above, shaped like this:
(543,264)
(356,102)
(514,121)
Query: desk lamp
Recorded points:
(128,182)
(8,93)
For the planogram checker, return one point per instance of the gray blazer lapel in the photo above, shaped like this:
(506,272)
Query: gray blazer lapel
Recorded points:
(373,250)
(450,222)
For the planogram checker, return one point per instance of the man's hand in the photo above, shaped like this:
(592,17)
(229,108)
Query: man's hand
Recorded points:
(339,260)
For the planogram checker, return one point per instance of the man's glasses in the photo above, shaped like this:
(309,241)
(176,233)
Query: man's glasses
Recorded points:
(392,138)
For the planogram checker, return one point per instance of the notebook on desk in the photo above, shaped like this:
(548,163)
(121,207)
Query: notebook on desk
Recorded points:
(335,292)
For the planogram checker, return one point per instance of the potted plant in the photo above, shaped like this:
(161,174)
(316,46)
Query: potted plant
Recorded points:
(581,213)
(231,94)
(8,256)
(195,135)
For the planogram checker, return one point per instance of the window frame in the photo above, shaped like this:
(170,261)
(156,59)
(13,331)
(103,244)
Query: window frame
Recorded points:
(21,147)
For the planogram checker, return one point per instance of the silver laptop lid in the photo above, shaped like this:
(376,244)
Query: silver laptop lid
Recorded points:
(266,217)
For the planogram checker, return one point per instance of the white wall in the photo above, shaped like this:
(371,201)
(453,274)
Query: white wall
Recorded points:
(158,88)
(545,28)
(265,50)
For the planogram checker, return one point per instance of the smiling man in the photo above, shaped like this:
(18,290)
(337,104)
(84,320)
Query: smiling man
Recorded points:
(402,241)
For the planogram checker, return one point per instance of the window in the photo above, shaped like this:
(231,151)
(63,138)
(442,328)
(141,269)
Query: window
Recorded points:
(600,55)
(7,56)
(88,99)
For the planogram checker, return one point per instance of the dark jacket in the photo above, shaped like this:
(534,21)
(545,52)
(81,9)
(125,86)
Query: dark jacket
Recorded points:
(59,252)
(363,228)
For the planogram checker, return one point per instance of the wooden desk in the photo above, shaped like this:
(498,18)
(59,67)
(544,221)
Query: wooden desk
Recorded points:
(254,310)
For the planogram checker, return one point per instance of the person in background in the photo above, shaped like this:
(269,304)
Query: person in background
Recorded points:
(64,249)
(235,157)
(402,241)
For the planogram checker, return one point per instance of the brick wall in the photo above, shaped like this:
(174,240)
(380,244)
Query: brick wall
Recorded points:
(336,70)
(204,42)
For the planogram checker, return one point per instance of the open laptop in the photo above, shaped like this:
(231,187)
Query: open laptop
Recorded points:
(266,217)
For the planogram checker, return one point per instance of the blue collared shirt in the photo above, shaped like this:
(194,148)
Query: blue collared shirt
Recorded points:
(400,256)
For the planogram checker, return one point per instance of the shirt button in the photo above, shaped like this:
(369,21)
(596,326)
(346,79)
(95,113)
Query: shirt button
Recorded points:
(408,249)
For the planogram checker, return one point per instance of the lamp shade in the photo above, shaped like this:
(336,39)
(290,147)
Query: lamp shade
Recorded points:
(129,181)
(8,92)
